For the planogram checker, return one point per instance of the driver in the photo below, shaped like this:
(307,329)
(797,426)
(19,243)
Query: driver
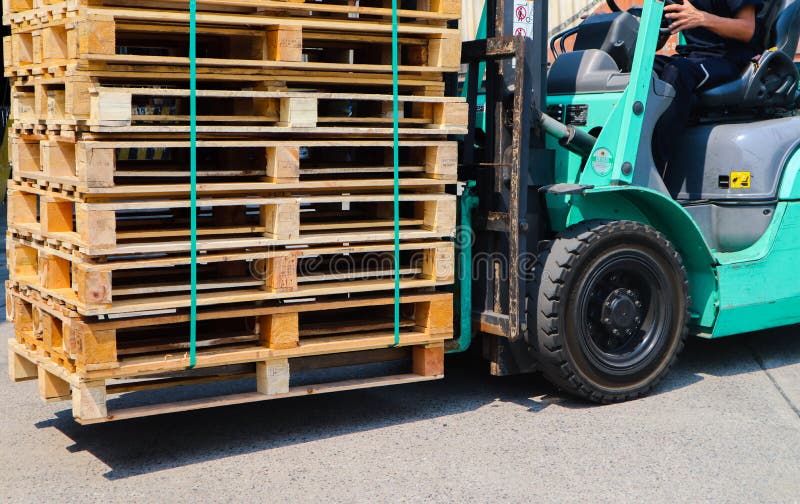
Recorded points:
(719,38)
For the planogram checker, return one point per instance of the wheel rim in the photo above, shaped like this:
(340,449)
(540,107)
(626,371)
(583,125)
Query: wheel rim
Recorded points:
(623,312)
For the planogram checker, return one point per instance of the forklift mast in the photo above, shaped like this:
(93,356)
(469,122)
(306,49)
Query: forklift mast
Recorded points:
(509,220)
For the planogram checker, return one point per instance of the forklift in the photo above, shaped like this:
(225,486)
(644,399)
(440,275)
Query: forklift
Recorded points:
(587,264)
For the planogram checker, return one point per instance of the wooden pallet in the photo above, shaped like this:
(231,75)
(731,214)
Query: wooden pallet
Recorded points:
(161,225)
(295,195)
(437,12)
(98,38)
(156,341)
(155,282)
(156,344)
(145,167)
(272,380)
(213,78)
(44,108)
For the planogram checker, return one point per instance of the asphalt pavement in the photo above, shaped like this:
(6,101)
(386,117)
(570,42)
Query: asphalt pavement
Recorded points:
(723,427)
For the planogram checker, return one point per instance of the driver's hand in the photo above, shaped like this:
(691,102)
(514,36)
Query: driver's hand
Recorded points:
(684,16)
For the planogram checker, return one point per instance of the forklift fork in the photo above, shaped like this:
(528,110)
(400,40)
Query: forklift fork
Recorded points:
(509,224)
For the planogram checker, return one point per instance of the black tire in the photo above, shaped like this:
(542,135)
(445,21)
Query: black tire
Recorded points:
(611,310)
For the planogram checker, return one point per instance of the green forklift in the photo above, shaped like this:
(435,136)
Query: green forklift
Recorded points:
(589,265)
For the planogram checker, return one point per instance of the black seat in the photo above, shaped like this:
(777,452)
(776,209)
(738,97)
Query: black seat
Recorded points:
(772,80)
(615,34)
(601,57)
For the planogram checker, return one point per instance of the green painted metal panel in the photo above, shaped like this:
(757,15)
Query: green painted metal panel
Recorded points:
(568,165)
(618,143)
(762,288)
(761,248)
(790,182)
(728,290)
(664,214)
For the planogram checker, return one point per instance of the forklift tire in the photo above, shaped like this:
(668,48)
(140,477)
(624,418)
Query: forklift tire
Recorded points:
(611,310)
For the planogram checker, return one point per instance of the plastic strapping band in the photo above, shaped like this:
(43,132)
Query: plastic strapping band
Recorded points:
(193,178)
(396,170)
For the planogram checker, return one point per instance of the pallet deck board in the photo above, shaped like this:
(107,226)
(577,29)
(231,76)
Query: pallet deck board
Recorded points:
(118,34)
(108,286)
(24,12)
(100,167)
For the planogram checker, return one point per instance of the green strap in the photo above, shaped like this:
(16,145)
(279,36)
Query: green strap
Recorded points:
(396,171)
(193,177)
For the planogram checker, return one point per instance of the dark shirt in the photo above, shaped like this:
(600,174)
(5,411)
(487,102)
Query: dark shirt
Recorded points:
(701,42)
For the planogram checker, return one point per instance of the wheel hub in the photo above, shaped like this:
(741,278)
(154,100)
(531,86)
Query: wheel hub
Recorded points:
(621,314)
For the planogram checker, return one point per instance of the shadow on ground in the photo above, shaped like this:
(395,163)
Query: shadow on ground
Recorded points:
(153,444)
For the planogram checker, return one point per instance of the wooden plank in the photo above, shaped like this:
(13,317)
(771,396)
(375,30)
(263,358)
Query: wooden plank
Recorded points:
(91,36)
(222,312)
(248,397)
(91,167)
(112,107)
(96,224)
(437,10)
(93,344)
(243,295)
(100,195)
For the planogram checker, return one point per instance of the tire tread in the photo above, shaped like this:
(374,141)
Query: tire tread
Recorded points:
(554,268)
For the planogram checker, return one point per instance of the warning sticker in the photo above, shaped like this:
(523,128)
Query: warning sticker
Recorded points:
(602,161)
(523,18)
(740,180)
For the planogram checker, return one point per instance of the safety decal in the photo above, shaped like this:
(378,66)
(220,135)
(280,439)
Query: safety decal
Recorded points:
(740,180)
(602,161)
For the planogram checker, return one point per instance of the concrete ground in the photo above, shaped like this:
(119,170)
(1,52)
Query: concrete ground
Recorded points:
(723,427)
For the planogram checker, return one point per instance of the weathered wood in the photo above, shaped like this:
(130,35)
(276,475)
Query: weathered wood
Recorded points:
(52,388)
(93,167)
(89,400)
(112,110)
(295,169)
(248,397)
(125,226)
(20,368)
(91,36)
(272,376)
(17,11)
(428,360)
(290,330)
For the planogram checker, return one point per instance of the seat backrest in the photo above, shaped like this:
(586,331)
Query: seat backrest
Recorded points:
(787,28)
(765,24)
(613,33)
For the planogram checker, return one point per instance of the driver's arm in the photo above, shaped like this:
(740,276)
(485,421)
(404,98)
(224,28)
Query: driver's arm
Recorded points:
(686,16)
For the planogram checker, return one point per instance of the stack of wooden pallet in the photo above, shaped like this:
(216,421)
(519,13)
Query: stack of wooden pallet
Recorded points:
(295,193)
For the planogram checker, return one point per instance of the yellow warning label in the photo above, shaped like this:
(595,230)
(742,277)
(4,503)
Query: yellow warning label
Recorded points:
(740,180)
